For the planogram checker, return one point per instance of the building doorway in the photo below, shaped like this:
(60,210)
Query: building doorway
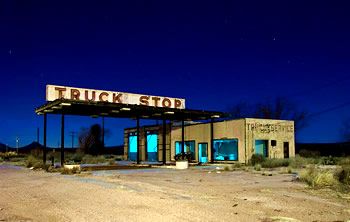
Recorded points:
(286,149)
(132,147)
(152,146)
(261,147)
(203,152)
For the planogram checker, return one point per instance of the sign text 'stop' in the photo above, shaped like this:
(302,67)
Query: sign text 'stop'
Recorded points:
(54,92)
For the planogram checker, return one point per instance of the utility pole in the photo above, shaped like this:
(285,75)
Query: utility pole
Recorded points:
(17,143)
(37,135)
(72,134)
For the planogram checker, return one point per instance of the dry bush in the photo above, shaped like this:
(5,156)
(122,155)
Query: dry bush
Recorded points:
(286,170)
(300,162)
(8,155)
(273,163)
(70,171)
(111,161)
(343,161)
(318,178)
(32,161)
(257,167)
(343,175)
(93,159)
(256,159)
(77,157)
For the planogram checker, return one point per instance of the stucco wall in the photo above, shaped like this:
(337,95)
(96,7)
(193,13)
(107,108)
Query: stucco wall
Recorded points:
(233,129)
(263,129)
(245,130)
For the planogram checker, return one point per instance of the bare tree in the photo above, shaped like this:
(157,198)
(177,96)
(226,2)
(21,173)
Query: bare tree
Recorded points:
(90,140)
(278,108)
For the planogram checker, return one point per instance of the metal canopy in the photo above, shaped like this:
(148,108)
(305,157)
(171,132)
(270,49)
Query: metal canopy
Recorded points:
(117,110)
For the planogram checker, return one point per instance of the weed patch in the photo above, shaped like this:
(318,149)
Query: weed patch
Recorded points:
(93,159)
(70,171)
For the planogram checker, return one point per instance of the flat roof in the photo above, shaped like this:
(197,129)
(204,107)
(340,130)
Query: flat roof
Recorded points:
(119,110)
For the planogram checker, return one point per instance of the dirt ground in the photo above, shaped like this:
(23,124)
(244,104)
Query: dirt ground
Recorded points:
(197,194)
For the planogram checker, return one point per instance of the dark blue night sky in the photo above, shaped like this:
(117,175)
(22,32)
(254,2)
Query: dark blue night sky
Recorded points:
(213,53)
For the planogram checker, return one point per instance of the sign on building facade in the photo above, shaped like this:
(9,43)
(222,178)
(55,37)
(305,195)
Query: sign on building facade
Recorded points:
(54,92)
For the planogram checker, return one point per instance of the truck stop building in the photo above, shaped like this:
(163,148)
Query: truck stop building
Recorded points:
(199,132)
(233,140)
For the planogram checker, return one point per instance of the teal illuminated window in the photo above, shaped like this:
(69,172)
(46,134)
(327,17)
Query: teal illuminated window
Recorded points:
(132,146)
(152,146)
(189,147)
(226,149)
(202,152)
(261,147)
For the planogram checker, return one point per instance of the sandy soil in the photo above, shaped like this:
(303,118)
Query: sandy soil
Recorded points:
(197,194)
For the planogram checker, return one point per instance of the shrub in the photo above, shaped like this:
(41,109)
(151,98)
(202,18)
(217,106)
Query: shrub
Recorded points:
(36,163)
(309,153)
(16,159)
(257,167)
(328,161)
(325,179)
(343,161)
(70,171)
(8,155)
(111,161)
(300,162)
(31,161)
(77,157)
(286,170)
(257,159)
(318,178)
(343,175)
(1,160)
(93,159)
(183,156)
(227,168)
(272,163)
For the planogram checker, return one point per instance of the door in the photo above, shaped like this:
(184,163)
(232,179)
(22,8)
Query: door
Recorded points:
(202,152)
(286,149)
(132,147)
(152,147)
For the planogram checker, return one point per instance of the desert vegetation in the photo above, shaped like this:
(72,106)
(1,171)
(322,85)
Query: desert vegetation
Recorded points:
(316,171)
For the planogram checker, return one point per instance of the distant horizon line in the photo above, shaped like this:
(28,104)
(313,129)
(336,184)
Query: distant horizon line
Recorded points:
(69,147)
(50,147)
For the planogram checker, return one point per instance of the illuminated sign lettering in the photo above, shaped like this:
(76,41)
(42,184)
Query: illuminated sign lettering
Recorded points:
(54,92)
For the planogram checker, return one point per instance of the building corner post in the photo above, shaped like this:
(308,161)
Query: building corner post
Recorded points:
(62,140)
(164,141)
(138,140)
(44,145)
(212,140)
(182,136)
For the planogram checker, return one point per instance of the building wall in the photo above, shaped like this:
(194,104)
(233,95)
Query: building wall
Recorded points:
(200,133)
(264,129)
(246,131)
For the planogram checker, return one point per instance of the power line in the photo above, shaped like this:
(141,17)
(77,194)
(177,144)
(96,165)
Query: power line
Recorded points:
(317,88)
(331,109)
